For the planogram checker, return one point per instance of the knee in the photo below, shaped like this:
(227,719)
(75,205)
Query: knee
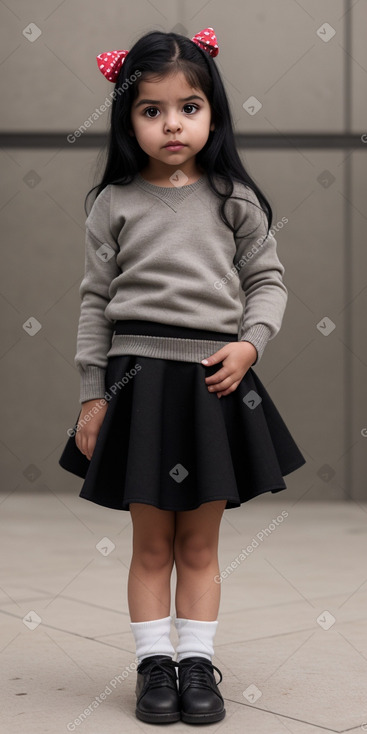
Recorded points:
(154,553)
(194,551)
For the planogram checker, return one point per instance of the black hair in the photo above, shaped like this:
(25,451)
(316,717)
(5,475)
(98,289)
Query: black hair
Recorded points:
(155,55)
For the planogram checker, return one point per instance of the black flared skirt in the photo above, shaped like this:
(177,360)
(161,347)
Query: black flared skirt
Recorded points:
(167,441)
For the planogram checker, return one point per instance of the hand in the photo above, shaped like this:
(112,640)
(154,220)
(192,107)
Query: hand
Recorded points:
(237,358)
(89,423)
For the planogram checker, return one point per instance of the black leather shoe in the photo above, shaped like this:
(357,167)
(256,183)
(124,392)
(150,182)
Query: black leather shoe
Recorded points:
(201,701)
(157,698)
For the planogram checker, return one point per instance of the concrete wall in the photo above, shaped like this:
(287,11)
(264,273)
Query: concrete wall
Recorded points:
(309,82)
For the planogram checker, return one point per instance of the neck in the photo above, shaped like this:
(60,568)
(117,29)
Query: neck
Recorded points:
(168,178)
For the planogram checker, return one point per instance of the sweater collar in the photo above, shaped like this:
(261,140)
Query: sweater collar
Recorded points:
(170,193)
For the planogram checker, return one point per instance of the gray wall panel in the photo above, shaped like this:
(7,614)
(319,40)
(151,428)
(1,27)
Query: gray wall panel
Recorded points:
(270,50)
(318,382)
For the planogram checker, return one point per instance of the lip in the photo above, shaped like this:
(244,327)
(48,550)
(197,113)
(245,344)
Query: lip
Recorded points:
(174,145)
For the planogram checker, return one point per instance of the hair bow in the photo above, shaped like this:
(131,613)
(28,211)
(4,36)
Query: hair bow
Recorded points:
(110,62)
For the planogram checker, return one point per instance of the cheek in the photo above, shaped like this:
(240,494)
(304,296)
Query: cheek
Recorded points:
(147,128)
(141,130)
(204,131)
(204,125)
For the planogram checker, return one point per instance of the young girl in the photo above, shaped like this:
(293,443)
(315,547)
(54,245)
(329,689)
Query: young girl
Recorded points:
(175,426)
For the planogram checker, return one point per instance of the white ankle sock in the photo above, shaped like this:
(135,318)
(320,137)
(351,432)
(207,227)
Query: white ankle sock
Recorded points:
(152,638)
(195,638)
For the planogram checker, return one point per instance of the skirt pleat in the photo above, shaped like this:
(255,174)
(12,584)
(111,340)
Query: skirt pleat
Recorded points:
(166,441)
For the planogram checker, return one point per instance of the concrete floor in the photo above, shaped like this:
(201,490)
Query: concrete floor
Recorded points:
(291,640)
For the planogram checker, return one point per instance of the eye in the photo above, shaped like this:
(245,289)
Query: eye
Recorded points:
(194,106)
(148,109)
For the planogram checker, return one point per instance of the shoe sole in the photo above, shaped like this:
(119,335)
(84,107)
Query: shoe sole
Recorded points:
(202,718)
(152,718)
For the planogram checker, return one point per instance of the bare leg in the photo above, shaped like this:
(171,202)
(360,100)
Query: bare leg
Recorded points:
(149,591)
(196,558)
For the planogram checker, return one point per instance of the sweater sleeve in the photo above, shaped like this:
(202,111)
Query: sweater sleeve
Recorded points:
(94,329)
(260,272)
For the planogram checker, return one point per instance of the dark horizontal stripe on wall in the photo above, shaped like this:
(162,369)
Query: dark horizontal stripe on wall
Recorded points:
(243,140)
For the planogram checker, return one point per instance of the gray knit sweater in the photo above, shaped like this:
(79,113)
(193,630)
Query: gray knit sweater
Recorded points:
(163,254)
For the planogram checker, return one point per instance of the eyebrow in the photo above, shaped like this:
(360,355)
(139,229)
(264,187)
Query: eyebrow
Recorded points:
(157,101)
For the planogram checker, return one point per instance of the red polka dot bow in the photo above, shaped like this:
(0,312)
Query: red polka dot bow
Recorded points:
(207,40)
(110,62)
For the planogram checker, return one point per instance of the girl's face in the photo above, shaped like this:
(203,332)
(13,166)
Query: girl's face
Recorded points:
(170,110)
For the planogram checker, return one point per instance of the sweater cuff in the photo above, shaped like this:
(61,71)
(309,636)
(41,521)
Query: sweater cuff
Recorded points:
(92,383)
(257,335)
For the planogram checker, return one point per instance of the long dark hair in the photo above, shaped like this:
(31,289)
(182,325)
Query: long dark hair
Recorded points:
(157,54)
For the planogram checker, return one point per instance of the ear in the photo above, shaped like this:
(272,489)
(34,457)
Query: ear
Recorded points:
(212,126)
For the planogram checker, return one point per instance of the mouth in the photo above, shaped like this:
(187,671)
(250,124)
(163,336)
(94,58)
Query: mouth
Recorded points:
(174,146)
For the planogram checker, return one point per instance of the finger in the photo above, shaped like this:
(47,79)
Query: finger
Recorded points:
(230,389)
(218,376)
(91,445)
(216,388)
(83,445)
(222,385)
(216,356)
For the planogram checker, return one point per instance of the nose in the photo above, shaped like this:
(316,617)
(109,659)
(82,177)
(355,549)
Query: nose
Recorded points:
(172,122)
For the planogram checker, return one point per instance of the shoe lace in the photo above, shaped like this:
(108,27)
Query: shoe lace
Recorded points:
(158,671)
(201,673)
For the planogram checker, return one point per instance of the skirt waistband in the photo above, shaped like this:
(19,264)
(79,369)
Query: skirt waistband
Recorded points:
(153,328)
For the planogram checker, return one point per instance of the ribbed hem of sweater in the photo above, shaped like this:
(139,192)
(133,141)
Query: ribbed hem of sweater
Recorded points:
(92,386)
(164,347)
(259,336)
(92,383)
